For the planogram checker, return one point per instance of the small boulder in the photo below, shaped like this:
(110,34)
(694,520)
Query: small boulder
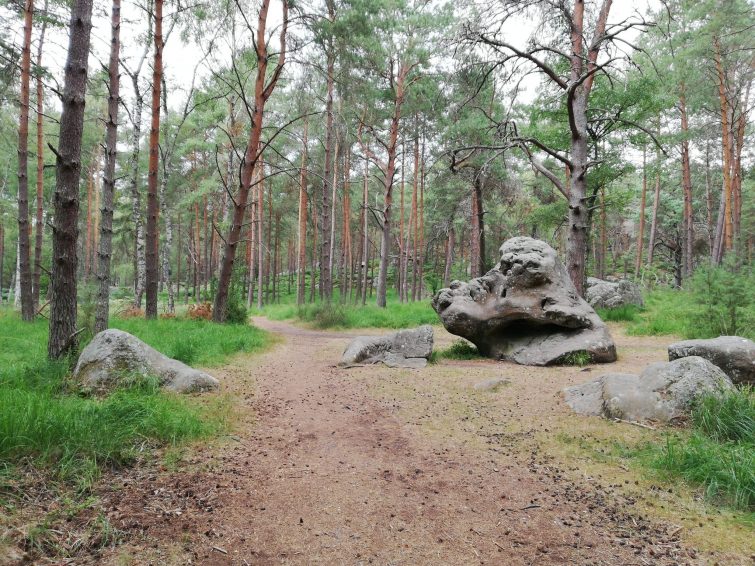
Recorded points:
(602,294)
(115,354)
(733,354)
(664,391)
(406,349)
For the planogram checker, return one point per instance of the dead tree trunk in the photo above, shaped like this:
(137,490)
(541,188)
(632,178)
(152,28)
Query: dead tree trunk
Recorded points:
(105,249)
(65,234)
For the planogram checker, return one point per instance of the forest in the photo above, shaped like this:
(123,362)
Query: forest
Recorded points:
(241,184)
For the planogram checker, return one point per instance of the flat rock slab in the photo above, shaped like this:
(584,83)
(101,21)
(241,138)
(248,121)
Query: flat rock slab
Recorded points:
(114,355)
(525,310)
(733,354)
(405,349)
(663,392)
(491,384)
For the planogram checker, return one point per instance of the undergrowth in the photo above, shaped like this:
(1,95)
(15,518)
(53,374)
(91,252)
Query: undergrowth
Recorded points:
(718,454)
(624,313)
(459,350)
(48,422)
(336,315)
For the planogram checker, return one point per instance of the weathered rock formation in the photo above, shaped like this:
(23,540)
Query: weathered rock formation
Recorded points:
(526,310)
(114,355)
(603,294)
(406,349)
(664,391)
(733,354)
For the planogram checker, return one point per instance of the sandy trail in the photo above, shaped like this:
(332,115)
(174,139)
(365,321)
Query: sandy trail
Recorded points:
(379,466)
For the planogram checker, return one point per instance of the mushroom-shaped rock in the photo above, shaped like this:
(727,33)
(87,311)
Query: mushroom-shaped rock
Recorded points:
(526,310)
(733,354)
(603,294)
(115,354)
(664,391)
(406,348)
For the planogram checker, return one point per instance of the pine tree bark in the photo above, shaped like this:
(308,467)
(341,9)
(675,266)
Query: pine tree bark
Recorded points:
(24,265)
(727,233)
(105,248)
(449,257)
(39,221)
(301,262)
(252,154)
(62,337)
(152,273)
(326,277)
(365,231)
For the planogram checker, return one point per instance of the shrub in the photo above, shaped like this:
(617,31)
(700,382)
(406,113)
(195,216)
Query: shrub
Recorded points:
(726,294)
(131,312)
(324,315)
(200,311)
(236,311)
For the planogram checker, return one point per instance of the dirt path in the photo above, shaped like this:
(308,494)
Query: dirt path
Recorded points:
(380,466)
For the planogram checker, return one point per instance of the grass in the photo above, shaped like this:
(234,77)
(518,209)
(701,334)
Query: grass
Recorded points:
(679,313)
(47,421)
(396,315)
(718,454)
(196,342)
(624,313)
(666,312)
(459,350)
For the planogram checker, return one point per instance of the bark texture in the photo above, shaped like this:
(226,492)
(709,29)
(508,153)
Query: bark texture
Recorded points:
(105,248)
(65,235)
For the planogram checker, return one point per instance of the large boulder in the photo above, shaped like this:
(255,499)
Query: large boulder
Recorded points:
(664,391)
(602,294)
(526,310)
(114,355)
(733,354)
(406,348)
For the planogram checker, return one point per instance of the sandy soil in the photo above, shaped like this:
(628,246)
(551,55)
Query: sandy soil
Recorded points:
(372,465)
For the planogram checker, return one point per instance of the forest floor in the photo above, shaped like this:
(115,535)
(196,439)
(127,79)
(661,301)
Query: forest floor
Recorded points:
(372,465)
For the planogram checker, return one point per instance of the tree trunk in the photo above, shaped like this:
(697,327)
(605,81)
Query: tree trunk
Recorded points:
(641,231)
(301,266)
(603,247)
(727,224)
(153,206)
(709,202)
(326,281)
(689,226)
(449,257)
(2,258)
(102,311)
(62,338)
(25,278)
(136,204)
(365,232)
(260,235)
(39,222)
(88,249)
(252,154)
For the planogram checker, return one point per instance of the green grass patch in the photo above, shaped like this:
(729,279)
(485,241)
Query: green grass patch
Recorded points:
(196,342)
(718,454)
(395,315)
(624,313)
(459,350)
(47,421)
